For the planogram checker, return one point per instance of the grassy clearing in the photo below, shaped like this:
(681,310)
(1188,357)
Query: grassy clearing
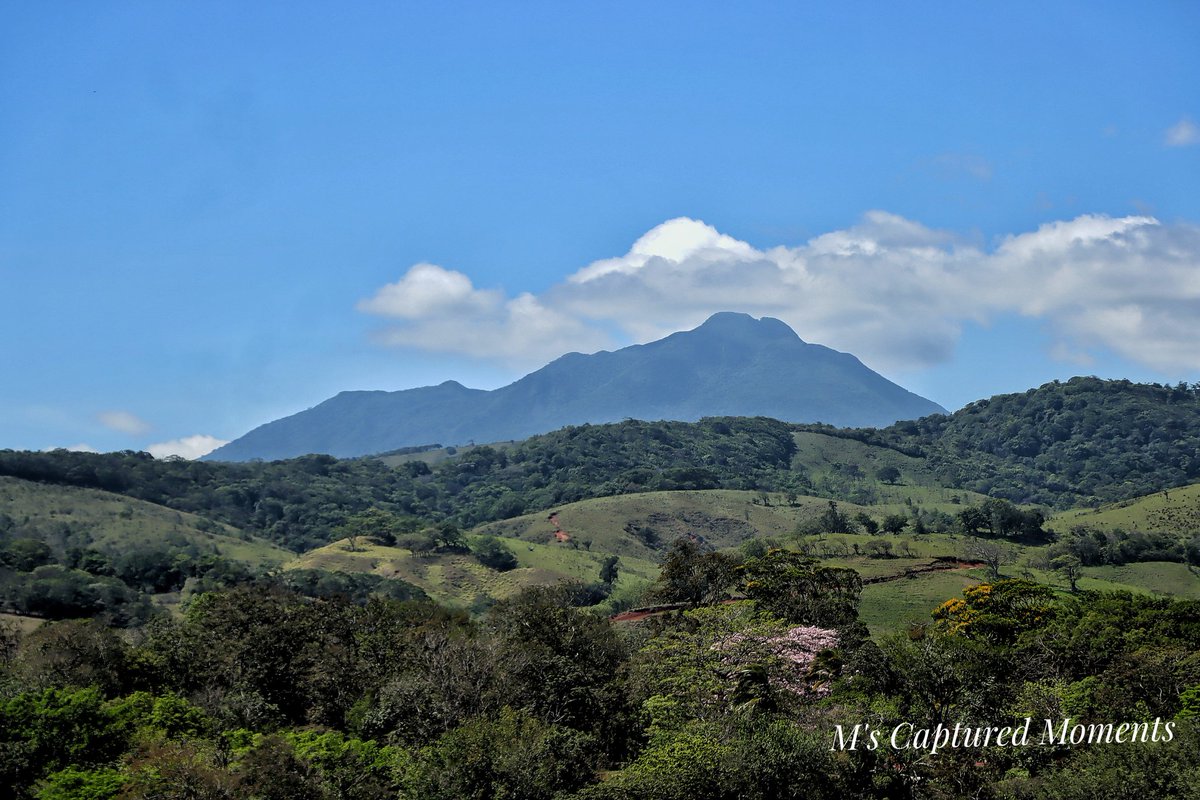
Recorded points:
(1175,510)
(114,524)
(439,454)
(642,525)
(893,606)
(458,579)
(850,465)
(22,624)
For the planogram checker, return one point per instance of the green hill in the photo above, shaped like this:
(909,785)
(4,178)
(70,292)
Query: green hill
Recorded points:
(1172,510)
(66,517)
(458,579)
(1062,444)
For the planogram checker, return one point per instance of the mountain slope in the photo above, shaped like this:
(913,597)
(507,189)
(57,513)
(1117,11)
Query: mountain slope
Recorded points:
(1083,441)
(68,517)
(732,365)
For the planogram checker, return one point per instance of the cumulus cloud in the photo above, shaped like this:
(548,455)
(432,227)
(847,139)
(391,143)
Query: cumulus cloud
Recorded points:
(123,422)
(440,310)
(426,291)
(82,447)
(189,447)
(888,289)
(1183,133)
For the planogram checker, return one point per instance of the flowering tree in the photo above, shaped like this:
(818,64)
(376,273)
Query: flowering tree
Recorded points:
(734,657)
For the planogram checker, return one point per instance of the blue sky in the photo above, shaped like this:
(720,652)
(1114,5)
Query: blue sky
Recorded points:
(213,215)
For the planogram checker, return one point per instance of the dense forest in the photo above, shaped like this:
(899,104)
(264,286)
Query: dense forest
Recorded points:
(1083,441)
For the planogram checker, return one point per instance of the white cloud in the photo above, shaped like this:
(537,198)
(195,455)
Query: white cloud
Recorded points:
(75,448)
(441,311)
(428,290)
(123,422)
(189,447)
(1183,133)
(888,289)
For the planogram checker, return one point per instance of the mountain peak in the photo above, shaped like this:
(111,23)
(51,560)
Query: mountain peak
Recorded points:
(737,324)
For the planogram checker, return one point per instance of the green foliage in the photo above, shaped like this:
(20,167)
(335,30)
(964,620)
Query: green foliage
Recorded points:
(690,575)
(492,553)
(610,569)
(303,502)
(76,653)
(43,732)
(356,587)
(724,660)
(561,663)
(374,523)
(1001,519)
(1166,770)
(867,523)
(795,588)
(741,760)
(512,755)
(997,612)
(315,765)
(73,783)
(1095,547)
(831,520)
(24,555)
(888,474)
(60,593)
(1062,444)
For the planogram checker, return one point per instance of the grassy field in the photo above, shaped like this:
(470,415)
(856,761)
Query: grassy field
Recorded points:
(638,528)
(893,606)
(458,579)
(641,525)
(22,624)
(439,454)
(1175,510)
(115,524)
(852,465)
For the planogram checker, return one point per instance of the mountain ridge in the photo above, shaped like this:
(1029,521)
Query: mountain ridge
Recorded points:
(731,365)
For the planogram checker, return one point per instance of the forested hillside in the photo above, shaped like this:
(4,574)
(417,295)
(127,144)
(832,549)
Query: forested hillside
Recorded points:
(299,502)
(1063,443)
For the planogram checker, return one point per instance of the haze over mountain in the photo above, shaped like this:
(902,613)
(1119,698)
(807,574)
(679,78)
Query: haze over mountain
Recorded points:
(732,365)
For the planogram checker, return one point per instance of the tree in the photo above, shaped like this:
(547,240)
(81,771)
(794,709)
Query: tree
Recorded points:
(448,537)
(868,524)
(894,523)
(610,569)
(512,755)
(1069,567)
(375,523)
(996,517)
(992,554)
(559,662)
(831,520)
(491,552)
(792,586)
(690,575)
(731,658)
(889,475)
(997,612)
